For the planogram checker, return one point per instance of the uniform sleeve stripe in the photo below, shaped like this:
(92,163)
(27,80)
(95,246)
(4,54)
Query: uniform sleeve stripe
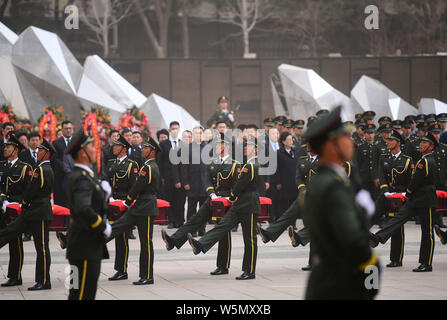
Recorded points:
(97,223)
(383,186)
(210,188)
(301,186)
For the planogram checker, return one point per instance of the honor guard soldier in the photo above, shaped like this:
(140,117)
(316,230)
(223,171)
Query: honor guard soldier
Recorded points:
(14,179)
(88,228)
(121,173)
(340,245)
(384,120)
(366,159)
(322,112)
(397,125)
(442,121)
(223,114)
(408,141)
(268,124)
(143,212)
(245,211)
(37,215)
(279,123)
(221,175)
(384,131)
(298,127)
(431,119)
(395,174)
(421,201)
(369,117)
(359,135)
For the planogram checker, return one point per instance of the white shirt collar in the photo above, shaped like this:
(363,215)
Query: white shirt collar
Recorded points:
(397,154)
(224,158)
(44,162)
(122,158)
(13,161)
(83,166)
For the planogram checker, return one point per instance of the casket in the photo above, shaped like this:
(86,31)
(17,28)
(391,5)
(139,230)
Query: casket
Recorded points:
(60,216)
(220,207)
(442,196)
(12,212)
(265,205)
(162,218)
(395,202)
(115,210)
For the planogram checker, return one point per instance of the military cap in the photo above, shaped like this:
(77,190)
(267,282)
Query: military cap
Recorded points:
(369,128)
(360,123)
(151,143)
(386,127)
(222,99)
(420,118)
(396,124)
(396,136)
(78,141)
(430,138)
(47,146)
(358,116)
(442,117)
(122,142)
(435,128)
(408,124)
(12,140)
(329,125)
(310,120)
(430,117)
(288,123)
(322,112)
(269,121)
(369,115)
(385,119)
(280,120)
(299,124)
(422,126)
(410,118)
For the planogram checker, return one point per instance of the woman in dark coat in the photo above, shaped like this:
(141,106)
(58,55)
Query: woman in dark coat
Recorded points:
(285,174)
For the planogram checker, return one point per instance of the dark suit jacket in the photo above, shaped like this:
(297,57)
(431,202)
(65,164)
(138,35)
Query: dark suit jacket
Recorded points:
(285,175)
(135,155)
(62,166)
(169,172)
(193,173)
(26,157)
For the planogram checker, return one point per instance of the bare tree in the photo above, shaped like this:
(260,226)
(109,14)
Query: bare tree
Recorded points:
(101,15)
(185,29)
(163,11)
(3,7)
(245,14)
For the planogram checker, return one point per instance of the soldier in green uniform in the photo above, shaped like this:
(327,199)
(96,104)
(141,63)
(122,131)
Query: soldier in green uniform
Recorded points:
(384,131)
(121,173)
(14,179)
(359,135)
(279,123)
(223,114)
(88,227)
(298,127)
(143,212)
(221,175)
(422,201)
(394,174)
(245,211)
(366,158)
(340,243)
(408,141)
(369,117)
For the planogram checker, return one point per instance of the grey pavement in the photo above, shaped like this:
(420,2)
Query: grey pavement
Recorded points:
(179,275)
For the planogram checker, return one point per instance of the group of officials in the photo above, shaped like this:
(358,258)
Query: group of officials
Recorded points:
(356,172)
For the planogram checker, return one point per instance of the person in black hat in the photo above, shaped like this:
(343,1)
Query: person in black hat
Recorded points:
(298,127)
(268,124)
(338,272)
(384,131)
(394,174)
(310,120)
(143,212)
(221,175)
(383,120)
(37,215)
(279,123)
(442,121)
(223,114)
(245,211)
(15,176)
(366,159)
(322,112)
(421,201)
(408,146)
(121,172)
(440,155)
(87,203)
(359,134)
(369,117)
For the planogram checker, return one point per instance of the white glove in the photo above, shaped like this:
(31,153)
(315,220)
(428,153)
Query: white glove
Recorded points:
(124,202)
(230,116)
(404,194)
(213,196)
(5,203)
(228,198)
(105,185)
(389,193)
(111,199)
(108,230)
(363,198)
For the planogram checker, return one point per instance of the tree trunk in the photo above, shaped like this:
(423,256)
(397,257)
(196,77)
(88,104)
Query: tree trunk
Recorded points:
(185,29)
(105,40)
(244,20)
(149,32)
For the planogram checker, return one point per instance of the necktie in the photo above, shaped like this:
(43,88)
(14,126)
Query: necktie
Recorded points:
(35,156)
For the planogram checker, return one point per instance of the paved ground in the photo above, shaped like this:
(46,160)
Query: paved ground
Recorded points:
(180,275)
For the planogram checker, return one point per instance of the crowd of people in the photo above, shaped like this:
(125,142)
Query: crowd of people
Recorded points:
(405,158)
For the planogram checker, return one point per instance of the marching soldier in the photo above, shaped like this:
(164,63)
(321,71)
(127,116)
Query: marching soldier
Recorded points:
(15,176)
(223,114)
(37,215)
(87,202)
(245,211)
(221,175)
(422,201)
(143,212)
(366,158)
(121,173)
(340,245)
(394,175)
